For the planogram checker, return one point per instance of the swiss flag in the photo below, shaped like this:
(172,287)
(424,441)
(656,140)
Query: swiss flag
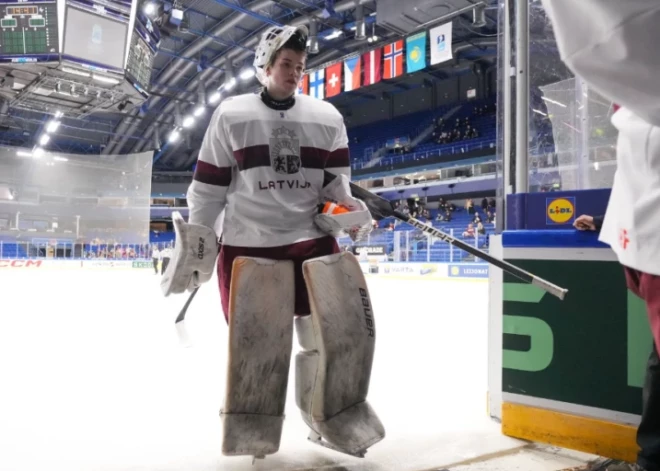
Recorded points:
(372,61)
(393,60)
(303,85)
(333,79)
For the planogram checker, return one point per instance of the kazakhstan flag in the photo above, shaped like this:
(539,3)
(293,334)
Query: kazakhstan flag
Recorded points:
(416,52)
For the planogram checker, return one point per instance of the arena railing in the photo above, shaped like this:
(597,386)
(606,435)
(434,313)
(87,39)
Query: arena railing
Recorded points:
(415,246)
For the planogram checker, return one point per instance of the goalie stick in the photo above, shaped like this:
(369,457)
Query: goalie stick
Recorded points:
(380,207)
(181,331)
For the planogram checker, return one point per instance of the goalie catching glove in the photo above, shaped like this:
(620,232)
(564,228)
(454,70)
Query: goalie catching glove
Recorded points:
(356,221)
(195,254)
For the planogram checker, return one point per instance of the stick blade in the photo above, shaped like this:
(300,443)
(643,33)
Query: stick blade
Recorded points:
(182,334)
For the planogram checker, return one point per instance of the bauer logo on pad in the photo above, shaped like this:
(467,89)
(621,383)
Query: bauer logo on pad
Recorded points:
(560,210)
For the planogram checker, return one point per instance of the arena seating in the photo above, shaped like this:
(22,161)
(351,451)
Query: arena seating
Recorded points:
(440,252)
(374,136)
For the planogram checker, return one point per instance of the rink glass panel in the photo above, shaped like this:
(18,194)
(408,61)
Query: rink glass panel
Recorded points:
(74,206)
(572,143)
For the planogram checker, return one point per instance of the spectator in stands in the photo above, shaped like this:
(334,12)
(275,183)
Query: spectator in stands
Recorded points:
(484,204)
(426,214)
(469,232)
(469,206)
(481,229)
(476,219)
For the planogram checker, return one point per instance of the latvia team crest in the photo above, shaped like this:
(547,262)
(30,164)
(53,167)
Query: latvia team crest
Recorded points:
(284,150)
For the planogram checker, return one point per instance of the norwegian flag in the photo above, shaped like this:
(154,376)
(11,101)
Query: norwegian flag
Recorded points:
(393,60)
(372,61)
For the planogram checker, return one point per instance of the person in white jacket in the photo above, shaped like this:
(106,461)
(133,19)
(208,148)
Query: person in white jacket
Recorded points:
(613,45)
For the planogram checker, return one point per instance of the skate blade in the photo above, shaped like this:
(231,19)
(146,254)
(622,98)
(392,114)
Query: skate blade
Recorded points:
(318,440)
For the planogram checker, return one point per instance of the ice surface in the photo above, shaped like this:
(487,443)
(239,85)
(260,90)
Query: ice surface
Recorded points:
(92,378)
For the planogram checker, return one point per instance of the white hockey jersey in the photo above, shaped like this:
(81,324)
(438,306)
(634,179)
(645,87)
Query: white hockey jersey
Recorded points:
(264,167)
(613,45)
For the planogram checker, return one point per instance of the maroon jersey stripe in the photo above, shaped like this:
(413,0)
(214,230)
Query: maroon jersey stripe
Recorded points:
(212,175)
(338,158)
(313,157)
(251,157)
(259,156)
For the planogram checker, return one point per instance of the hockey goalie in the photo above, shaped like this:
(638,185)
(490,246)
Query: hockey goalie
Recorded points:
(262,163)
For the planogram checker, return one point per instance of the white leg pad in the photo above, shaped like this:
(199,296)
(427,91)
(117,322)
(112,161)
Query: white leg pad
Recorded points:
(261,311)
(334,369)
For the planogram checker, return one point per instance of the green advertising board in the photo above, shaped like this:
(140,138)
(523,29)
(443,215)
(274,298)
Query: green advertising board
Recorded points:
(142,264)
(590,349)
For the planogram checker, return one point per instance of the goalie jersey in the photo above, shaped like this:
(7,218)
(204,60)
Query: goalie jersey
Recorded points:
(264,168)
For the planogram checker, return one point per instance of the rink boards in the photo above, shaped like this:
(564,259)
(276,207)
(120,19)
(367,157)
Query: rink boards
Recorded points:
(59,264)
(471,271)
(568,373)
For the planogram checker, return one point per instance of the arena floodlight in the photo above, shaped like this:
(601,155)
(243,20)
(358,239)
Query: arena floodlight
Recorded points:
(52,126)
(247,73)
(174,136)
(199,111)
(214,98)
(188,121)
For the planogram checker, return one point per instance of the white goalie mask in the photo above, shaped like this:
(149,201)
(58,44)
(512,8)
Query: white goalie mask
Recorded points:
(271,41)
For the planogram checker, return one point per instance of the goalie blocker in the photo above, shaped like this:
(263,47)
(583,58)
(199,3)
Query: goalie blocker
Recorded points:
(333,369)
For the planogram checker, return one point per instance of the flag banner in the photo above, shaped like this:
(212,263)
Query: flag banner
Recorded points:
(441,43)
(352,73)
(372,61)
(317,84)
(393,60)
(333,80)
(416,49)
(303,86)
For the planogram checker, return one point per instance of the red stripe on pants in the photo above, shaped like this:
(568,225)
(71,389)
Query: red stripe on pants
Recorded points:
(298,253)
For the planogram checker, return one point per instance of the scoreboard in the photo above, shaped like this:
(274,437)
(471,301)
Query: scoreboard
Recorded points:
(143,48)
(29,31)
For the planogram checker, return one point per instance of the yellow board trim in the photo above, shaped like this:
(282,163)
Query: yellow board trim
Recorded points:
(594,436)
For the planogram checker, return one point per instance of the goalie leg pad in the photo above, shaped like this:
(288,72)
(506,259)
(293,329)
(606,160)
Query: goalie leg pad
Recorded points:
(261,311)
(334,369)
